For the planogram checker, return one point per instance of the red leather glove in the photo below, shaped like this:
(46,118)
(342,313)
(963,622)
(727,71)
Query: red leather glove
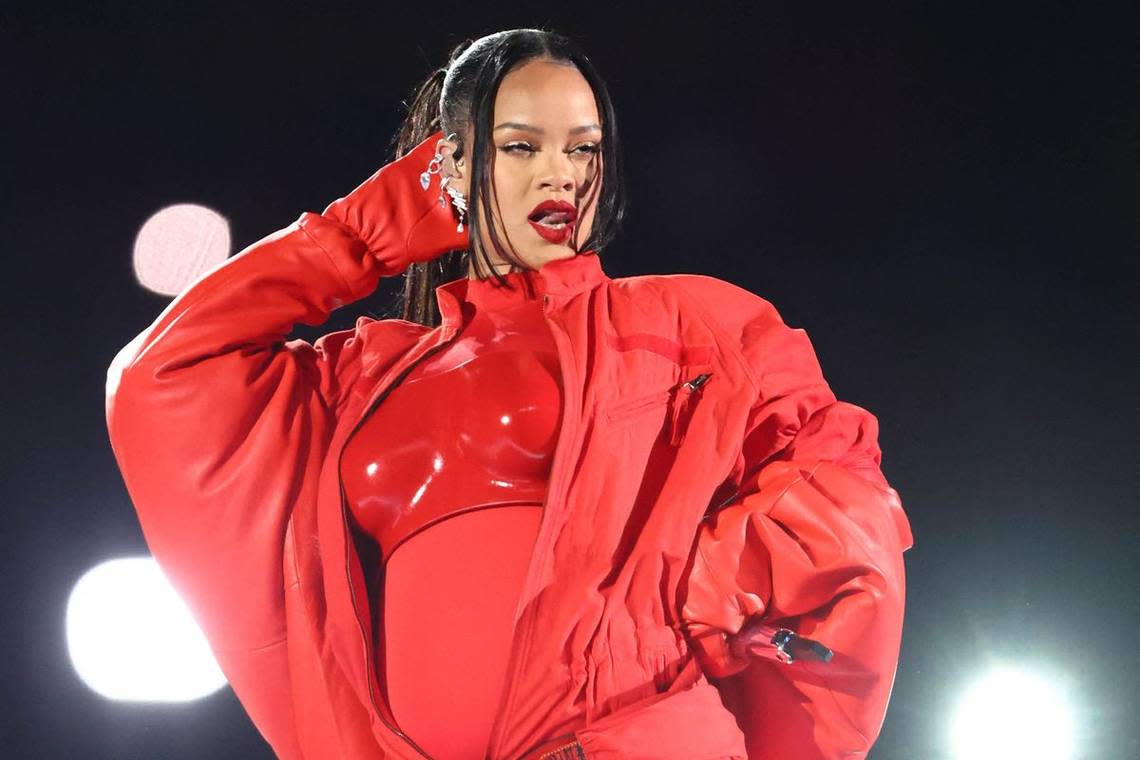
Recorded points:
(397,219)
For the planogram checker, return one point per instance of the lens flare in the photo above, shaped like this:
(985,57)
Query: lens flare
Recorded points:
(131,638)
(1009,714)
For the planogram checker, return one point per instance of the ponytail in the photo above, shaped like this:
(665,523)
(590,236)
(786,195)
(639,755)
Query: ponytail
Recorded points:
(422,277)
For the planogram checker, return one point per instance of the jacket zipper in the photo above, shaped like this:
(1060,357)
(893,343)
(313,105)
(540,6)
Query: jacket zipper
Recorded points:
(555,479)
(369,663)
(681,407)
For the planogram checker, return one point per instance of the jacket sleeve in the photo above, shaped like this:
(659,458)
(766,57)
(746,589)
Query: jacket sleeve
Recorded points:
(812,542)
(215,419)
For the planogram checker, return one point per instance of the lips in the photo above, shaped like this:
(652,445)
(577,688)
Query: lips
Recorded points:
(554,220)
(554,212)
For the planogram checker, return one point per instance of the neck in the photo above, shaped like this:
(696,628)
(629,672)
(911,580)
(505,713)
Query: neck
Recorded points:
(504,267)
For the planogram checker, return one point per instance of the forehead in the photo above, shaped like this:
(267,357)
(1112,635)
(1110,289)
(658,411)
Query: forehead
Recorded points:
(551,95)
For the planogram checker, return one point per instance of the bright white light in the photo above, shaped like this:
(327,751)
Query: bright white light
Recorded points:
(131,637)
(1009,715)
(179,244)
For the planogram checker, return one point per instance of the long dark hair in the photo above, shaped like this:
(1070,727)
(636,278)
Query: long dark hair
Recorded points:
(462,94)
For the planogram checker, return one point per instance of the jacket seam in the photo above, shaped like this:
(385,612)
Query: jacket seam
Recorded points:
(730,341)
(721,587)
(344,280)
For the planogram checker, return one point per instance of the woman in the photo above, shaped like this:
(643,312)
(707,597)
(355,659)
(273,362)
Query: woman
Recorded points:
(547,513)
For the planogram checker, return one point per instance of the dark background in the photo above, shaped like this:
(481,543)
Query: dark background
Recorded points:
(946,197)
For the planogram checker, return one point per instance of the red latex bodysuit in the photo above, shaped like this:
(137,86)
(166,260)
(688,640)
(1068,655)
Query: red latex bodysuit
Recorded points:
(448,476)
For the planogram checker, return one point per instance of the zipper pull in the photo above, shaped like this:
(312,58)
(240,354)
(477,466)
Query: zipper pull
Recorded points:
(681,408)
(779,644)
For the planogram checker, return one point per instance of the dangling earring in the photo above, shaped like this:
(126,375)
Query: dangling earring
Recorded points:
(460,204)
(457,198)
(425,177)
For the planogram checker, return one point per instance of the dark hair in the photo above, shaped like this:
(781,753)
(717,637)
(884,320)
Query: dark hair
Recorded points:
(462,94)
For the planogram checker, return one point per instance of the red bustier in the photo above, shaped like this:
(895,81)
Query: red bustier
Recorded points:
(448,475)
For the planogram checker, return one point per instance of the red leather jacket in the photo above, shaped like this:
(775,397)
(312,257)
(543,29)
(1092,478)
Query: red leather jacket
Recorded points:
(676,513)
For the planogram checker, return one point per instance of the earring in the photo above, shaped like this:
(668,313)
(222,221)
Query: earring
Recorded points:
(457,199)
(425,177)
(460,204)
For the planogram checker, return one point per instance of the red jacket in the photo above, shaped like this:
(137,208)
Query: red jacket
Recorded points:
(673,510)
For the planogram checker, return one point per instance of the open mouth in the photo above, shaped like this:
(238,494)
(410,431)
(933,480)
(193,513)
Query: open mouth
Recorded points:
(553,220)
(554,225)
(554,214)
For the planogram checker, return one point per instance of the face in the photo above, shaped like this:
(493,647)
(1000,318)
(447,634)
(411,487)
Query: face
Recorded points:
(546,147)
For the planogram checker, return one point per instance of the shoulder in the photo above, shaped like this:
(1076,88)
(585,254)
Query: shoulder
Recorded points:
(745,323)
(727,307)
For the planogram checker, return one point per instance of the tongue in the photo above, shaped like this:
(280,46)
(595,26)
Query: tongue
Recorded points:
(553,218)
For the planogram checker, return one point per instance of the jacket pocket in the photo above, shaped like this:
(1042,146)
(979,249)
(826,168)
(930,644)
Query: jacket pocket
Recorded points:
(672,405)
(631,408)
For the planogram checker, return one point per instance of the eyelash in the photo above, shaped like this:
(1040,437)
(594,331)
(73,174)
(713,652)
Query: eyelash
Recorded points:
(510,147)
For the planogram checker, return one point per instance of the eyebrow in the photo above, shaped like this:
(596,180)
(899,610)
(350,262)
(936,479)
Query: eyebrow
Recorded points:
(540,130)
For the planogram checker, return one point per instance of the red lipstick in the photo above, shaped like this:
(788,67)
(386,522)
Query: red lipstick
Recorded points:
(549,213)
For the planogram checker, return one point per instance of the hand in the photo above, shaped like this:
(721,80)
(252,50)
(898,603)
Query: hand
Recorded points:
(397,219)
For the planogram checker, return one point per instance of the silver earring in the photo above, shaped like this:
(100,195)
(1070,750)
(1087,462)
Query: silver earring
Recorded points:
(457,198)
(437,162)
(460,204)
(425,177)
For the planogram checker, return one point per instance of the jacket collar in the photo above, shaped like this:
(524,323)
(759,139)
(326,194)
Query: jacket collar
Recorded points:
(561,277)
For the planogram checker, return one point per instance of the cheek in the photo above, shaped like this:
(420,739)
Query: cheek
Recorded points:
(510,195)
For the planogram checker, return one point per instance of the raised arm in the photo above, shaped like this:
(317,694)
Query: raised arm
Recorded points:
(811,544)
(215,418)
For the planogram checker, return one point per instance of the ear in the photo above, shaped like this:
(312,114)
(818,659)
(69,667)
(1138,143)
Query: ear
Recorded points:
(458,175)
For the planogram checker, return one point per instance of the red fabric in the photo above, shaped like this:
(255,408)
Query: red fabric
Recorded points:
(473,425)
(449,604)
(427,475)
(228,436)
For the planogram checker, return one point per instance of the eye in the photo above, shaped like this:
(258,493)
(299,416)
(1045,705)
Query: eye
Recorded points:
(519,147)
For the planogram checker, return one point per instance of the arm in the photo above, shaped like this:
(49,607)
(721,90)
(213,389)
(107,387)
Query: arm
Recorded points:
(812,541)
(217,422)
(211,415)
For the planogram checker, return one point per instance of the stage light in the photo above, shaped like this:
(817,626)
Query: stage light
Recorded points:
(1010,714)
(130,636)
(177,245)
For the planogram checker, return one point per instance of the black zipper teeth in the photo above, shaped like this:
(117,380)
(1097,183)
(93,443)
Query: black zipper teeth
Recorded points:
(344,519)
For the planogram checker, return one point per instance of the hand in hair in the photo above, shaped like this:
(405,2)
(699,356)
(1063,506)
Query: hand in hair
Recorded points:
(396,218)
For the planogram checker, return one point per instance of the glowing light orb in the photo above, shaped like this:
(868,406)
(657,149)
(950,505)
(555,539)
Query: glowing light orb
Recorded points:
(131,637)
(1009,714)
(179,244)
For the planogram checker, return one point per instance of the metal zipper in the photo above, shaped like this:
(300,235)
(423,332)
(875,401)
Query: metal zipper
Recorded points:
(571,751)
(698,381)
(369,663)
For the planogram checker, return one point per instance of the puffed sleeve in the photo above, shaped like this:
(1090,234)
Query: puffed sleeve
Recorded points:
(811,543)
(219,425)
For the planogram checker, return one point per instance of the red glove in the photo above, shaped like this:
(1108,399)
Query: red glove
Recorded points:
(397,218)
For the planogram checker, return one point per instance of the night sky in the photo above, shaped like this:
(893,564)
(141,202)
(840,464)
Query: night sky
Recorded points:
(947,198)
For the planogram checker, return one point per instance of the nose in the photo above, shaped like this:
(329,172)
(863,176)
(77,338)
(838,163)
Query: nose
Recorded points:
(559,174)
